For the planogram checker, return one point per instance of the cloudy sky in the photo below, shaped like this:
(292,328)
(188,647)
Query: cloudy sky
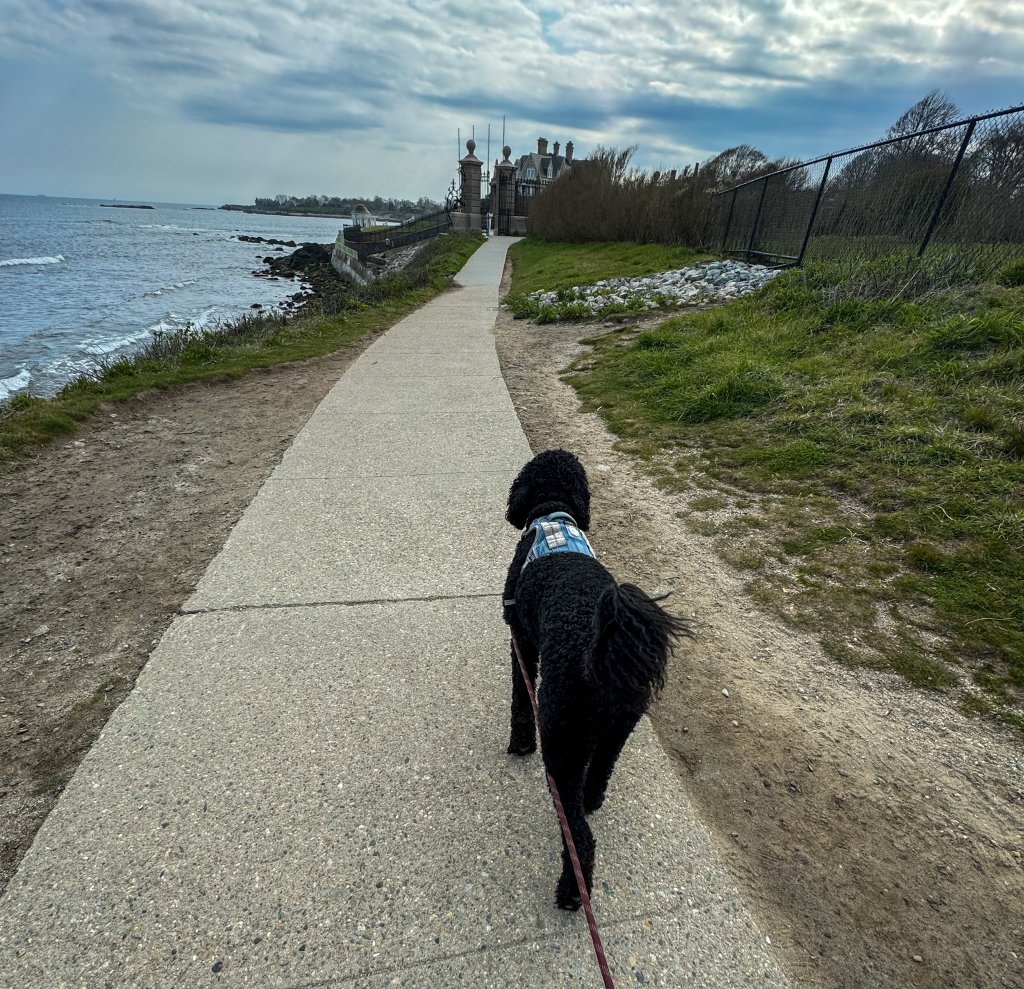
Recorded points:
(211,101)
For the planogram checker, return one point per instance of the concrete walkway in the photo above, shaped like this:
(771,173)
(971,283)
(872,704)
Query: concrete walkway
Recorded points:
(309,786)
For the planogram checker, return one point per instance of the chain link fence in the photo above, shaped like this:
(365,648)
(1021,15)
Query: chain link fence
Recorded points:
(953,195)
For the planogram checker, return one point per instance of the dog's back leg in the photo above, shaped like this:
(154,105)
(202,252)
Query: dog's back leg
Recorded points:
(566,760)
(606,754)
(523,736)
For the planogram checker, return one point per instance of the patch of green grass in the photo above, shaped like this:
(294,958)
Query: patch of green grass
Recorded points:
(541,266)
(983,419)
(176,359)
(1013,442)
(1012,275)
(879,422)
(561,268)
(708,503)
(801,459)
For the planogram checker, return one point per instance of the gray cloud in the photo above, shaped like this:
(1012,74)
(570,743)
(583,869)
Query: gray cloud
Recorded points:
(683,79)
(237,111)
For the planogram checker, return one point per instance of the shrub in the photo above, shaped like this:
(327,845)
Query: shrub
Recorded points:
(602,199)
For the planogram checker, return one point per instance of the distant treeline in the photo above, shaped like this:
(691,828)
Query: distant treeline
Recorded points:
(340,205)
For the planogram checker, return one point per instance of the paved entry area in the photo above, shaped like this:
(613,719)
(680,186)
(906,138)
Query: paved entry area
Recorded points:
(309,785)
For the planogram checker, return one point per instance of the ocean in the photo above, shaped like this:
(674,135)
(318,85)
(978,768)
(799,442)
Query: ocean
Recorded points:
(81,284)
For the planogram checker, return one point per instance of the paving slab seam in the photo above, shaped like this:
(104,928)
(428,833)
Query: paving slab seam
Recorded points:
(503,472)
(433,377)
(419,414)
(554,938)
(271,606)
(433,352)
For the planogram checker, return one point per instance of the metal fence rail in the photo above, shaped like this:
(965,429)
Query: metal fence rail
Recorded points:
(953,193)
(527,191)
(372,241)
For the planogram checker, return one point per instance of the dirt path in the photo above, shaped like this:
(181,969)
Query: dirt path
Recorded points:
(877,832)
(102,538)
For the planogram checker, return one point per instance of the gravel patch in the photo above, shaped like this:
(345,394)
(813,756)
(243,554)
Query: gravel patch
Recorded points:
(711,281)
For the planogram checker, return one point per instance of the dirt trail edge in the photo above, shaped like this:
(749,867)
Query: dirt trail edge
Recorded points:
(102,538)
(879,829)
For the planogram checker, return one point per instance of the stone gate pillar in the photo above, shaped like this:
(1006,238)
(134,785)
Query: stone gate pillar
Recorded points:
(504,202)
(470,168)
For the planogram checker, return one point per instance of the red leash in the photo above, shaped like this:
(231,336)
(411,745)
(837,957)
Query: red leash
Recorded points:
(602,962)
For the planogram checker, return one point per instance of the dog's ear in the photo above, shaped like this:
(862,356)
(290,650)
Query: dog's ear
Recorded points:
(519,502)
(581,499)
(572,480)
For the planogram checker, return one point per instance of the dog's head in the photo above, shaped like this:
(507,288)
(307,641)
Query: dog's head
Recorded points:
(555,476)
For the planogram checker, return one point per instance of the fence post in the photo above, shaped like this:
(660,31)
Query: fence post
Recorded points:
(757,217)
(945,191)
(728,222)
(814,213)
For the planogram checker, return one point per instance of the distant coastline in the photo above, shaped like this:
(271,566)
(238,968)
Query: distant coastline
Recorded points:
(125,206)
(288,212)
(391,216)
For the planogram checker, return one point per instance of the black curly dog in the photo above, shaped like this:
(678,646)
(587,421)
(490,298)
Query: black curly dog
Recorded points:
(602,648)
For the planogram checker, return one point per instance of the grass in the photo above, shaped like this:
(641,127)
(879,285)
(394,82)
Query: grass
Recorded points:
(229,351)
(559,267)
(871,430)
(540,266)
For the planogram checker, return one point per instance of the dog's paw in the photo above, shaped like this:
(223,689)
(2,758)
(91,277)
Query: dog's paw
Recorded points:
(592,802)
(522,746)
(567,895)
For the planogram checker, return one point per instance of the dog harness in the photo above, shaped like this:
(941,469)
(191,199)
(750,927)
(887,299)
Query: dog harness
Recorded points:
(556,533)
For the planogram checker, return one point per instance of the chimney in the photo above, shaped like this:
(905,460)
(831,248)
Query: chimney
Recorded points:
(554,150)
(542,145)
(568,152)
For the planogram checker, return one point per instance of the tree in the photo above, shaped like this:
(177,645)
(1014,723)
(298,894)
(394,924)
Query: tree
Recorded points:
(934,109)
(736,165)
(995,164)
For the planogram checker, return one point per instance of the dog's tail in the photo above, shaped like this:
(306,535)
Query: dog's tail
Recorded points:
(633,638)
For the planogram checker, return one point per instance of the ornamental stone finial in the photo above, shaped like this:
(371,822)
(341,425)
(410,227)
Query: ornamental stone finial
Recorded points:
(471,145)
(506,151)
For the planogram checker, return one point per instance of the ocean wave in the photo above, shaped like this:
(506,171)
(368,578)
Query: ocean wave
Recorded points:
(99,348)
(174,226)
(11,262)
(8,386)
(206,318)
(172,322)
(169,288)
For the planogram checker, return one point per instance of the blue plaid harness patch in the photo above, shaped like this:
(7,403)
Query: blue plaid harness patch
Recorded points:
(556,533)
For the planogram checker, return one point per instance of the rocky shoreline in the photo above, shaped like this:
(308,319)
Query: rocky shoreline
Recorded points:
(310,265)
